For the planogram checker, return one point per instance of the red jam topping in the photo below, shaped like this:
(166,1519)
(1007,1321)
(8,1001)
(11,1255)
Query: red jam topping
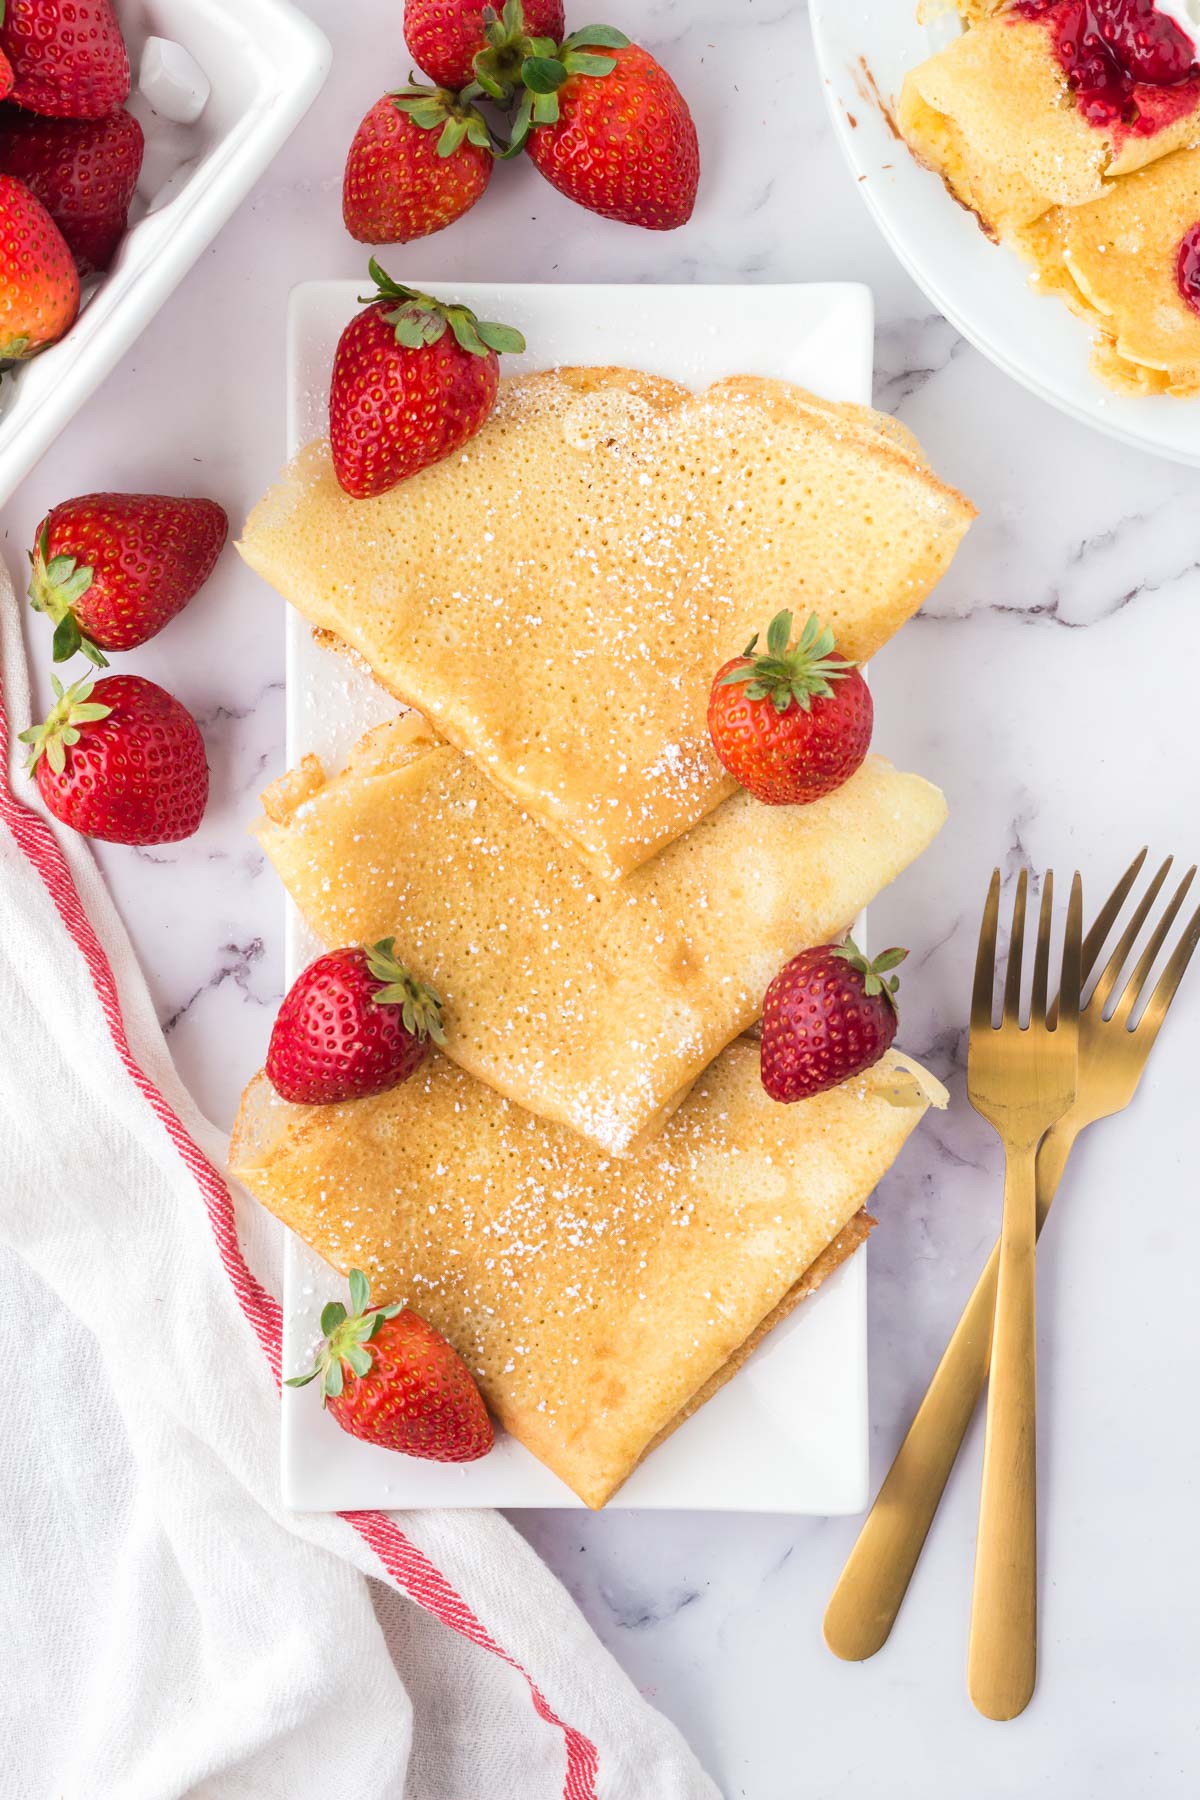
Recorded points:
(1187,267)
(1133,71)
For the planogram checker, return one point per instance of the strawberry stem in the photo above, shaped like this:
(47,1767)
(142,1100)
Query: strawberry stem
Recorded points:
(346,1336)
(801,674)
(59,730)
(55,584)
(438,109)
(420,319)
(874,973)
(422,1006)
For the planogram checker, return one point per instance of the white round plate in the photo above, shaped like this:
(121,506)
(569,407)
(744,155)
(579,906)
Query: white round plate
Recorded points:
(864,48)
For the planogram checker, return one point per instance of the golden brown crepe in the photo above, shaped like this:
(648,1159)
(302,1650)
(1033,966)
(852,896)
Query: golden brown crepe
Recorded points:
(596,1302)
(1114,263)
(593,1004)
(557,597)
(993,115)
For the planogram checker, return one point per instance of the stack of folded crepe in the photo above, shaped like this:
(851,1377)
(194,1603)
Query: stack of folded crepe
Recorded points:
(589,1193)
(1101,211)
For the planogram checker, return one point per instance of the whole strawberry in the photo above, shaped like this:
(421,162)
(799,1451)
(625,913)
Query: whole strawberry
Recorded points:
(68,57)
(610,131)
(39,284)
(413,380)
(355,1022)
(109,570)
(388,1377)
(418,162)
(445,36)
(84,172)
(121,759)
(828,1015)
(794,724)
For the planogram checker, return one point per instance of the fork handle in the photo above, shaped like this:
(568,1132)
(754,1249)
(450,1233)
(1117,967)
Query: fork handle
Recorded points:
(1002,1655)
(872,1586)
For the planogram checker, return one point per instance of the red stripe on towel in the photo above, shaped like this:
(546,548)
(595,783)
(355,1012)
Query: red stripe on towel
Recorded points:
(410,1568)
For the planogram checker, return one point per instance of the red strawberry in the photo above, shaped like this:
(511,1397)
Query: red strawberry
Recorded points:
(827,1016)
(6,72)
(446,35)
(110,570)
(418,162)
(611,131)
(39,285)
(413,379)
(389,1377)
(121,759)
(83,171)
(355,1022)
(68,57)
(793,724)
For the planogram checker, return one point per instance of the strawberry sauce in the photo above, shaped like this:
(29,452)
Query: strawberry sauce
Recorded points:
(1133,71)
(1187,267)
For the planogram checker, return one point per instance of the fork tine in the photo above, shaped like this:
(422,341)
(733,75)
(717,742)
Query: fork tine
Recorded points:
(985,959)
(1102,992)
(1072,963)
(1041,960)
(1016,947)
(1141,973)
(1168,983)
(1107,917)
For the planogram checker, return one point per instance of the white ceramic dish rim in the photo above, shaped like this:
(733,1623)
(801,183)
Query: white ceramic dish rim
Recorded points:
(726,1457)
(982,289)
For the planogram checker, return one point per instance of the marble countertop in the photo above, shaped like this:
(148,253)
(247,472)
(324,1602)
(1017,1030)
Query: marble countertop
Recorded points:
(1048,686)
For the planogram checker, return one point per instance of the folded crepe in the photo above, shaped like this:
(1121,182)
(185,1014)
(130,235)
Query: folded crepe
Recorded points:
(596,1302)
(1116,264)
(558,596)
(592,1004)
(994,116)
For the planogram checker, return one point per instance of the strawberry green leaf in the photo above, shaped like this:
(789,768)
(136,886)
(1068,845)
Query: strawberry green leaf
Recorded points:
(359,1359)
(414,328)
(462,324)
(522,126)
(545,109)
(454,133)
(602,37)
(542,74)
(333,1380)
(332,1316)
(360,1293)
(301,1380)
(504,339)
(92,651)
(66,639)
(580,62)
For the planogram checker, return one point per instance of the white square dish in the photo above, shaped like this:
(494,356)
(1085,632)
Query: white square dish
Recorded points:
(265,63)
(789,1432)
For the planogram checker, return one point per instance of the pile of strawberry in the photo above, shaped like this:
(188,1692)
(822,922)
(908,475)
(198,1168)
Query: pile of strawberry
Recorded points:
(70,156)
(595,114)
(120,758)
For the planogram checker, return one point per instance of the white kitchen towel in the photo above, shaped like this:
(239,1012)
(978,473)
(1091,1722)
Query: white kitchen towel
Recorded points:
(171,1631)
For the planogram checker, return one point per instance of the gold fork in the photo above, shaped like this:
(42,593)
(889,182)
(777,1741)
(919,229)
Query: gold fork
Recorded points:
(1112,1056)
(1021,1078)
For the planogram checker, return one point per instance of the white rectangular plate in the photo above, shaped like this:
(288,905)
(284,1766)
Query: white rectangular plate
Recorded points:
(789,1433)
